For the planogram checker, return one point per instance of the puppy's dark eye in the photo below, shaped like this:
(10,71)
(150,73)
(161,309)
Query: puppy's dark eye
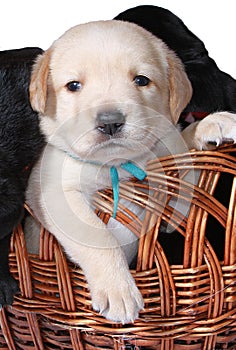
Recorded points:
(74,86)
(141,80)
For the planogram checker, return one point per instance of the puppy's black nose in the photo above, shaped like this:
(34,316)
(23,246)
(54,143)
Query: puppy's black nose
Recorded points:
(110,122)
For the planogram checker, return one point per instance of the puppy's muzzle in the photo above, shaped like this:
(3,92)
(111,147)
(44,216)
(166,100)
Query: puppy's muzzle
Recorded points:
(110,122)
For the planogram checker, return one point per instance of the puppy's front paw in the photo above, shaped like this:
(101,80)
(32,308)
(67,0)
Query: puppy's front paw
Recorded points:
(118,299)
(214,130)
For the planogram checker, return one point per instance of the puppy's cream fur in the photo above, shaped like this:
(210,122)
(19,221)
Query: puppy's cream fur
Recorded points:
(104,57)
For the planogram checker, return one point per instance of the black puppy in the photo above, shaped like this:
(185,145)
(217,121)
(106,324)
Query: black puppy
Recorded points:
(213,90)
(20,146)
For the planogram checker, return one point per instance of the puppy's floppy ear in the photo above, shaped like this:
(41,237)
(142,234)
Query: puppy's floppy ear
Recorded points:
(179,86)
(39,82)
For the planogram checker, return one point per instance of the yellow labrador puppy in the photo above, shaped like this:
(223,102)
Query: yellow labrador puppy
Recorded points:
(109,95)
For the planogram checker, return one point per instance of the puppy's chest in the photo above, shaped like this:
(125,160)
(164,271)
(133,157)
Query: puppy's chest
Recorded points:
(89,178)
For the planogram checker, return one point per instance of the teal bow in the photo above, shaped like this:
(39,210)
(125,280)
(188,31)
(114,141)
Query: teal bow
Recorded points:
(130,168)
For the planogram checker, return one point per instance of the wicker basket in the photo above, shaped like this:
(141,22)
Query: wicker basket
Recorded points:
(188,306)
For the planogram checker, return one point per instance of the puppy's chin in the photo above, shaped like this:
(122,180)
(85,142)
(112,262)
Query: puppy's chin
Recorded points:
(114,151)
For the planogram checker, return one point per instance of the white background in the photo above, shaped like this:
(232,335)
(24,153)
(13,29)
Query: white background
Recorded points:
(39,22)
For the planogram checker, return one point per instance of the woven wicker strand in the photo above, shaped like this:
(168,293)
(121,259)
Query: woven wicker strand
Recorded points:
(187,306)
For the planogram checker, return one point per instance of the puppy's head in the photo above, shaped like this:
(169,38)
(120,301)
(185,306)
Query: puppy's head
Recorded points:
(107,88)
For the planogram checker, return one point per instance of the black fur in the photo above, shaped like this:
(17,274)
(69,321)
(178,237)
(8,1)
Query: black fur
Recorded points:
(213,90)
(20,146)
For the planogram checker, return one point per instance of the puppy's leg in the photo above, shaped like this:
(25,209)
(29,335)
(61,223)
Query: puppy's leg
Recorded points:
(8,285)
(11,212)
(92,246)
(214,130)
(113,289)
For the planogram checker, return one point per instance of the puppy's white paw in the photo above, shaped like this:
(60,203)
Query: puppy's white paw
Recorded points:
(212,131)
(118,299)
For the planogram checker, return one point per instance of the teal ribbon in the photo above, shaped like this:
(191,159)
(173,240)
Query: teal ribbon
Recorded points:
(134,170)
(131,168)
(115,188)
